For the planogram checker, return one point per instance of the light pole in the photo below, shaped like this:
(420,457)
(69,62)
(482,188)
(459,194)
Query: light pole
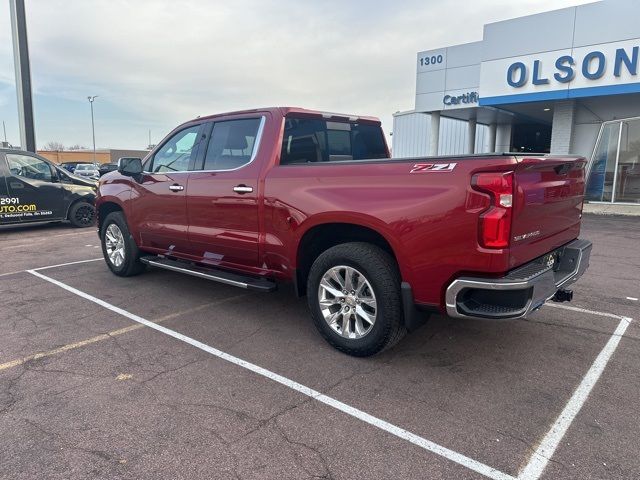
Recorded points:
(23,75)
(93,128)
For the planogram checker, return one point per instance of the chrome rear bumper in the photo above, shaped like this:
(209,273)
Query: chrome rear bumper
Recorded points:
(523,289)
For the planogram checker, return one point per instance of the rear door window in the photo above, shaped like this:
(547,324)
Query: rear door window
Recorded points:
(232,144)
(310,140)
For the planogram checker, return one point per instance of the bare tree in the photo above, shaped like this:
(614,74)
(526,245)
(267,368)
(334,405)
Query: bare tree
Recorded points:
(53,146)
(77,146)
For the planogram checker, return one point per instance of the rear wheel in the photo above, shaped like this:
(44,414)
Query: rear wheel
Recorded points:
(353,292)
(82,214)
(118,247)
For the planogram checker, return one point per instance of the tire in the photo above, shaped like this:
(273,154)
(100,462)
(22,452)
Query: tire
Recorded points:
(126,262)
(82,214)
(377,299)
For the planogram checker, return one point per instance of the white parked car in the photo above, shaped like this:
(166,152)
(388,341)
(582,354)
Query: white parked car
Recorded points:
(88,170)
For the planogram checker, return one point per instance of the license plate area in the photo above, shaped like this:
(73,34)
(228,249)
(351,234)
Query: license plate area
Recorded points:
(553,260)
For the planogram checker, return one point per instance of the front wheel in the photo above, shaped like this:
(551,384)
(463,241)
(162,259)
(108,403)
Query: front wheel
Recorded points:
(82,214)
(353,290)
(118,247)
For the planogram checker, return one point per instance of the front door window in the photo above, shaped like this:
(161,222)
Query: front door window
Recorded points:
(29,167)
(177,153)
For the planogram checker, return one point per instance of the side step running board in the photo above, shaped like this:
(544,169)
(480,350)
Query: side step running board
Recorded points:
(237,280)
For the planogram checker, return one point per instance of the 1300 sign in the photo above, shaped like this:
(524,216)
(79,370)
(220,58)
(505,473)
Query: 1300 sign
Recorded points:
(432,60)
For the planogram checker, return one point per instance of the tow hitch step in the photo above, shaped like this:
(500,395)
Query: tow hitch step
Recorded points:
(221,276)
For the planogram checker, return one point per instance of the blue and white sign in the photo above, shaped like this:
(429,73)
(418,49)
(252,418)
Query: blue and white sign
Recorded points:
(605,69)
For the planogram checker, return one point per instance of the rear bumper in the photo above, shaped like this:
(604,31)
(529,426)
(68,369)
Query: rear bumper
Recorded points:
(522,290)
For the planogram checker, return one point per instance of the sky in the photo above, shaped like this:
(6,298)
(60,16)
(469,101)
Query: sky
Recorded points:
(157,63)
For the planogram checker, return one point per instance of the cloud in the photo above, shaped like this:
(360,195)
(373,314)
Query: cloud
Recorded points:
(158,63)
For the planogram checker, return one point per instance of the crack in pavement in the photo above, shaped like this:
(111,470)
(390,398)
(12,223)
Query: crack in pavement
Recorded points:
(9,391)
(260,424)
(113,333)
(574,327)
(327,475)
(170,370)
(66,444)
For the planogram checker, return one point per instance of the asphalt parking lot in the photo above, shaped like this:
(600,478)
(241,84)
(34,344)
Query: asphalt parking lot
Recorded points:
(233,384)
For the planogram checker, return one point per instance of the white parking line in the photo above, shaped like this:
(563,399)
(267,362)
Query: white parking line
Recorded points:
(50,266)
(540,458)
(584,310)
(11,273)
(64,264)
(428,445)
(37,240)
(531,471)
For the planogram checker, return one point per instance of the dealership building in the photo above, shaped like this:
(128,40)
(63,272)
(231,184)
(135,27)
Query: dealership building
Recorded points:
(564,82)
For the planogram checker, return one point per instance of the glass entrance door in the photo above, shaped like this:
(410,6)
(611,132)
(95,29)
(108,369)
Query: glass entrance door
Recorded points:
(614,174)
(628,169)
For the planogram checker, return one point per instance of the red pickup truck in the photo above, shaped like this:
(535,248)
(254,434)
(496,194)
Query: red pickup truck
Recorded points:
(259,197)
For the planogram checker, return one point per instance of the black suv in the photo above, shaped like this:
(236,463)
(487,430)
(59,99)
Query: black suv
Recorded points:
(33,189)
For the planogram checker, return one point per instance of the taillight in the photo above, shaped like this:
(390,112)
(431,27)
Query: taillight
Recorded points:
(495,222)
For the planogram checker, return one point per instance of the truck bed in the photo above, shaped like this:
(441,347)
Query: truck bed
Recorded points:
(430,217)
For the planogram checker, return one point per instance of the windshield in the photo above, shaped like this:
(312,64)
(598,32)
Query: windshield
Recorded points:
(85,167)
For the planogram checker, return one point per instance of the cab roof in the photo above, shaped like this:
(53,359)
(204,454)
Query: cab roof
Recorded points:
(284,111)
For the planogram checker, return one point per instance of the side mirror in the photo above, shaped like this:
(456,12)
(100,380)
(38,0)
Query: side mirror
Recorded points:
(130,166)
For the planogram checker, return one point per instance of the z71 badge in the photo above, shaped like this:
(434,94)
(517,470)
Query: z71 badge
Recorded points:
(433,167)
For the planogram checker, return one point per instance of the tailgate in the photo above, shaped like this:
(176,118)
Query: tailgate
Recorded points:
(547,207)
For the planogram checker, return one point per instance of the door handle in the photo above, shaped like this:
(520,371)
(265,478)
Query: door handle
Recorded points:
(16,185)
(176,188)
(242,189)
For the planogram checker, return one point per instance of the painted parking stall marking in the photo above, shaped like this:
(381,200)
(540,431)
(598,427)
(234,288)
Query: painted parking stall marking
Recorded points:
(65,264)
(113,333)
(15,272)
(541,457)
(585,310)
(34,241)
(399,432)
(531,471)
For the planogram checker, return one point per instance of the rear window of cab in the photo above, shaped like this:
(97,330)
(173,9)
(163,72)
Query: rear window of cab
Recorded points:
(311,140)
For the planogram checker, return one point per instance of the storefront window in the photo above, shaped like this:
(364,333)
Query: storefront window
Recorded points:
(614,175)
(628,172)
(600,184)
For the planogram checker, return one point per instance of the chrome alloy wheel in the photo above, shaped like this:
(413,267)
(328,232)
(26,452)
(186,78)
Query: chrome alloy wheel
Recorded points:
(347,302)
(114,243)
